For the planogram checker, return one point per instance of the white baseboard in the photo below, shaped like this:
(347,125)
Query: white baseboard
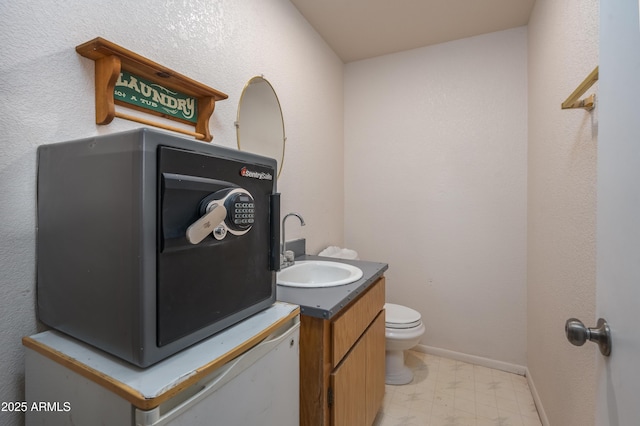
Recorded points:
(472,359)
(536,399)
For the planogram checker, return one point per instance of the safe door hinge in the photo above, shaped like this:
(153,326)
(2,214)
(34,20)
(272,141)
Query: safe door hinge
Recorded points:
(330,397)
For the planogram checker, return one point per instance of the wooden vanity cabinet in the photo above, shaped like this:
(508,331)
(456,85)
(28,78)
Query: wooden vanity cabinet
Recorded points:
(342,363)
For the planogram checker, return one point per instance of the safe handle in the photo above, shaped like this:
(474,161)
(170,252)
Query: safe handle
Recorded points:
(214,216)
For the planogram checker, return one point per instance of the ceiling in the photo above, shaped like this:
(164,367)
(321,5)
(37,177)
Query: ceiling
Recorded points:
(360,29)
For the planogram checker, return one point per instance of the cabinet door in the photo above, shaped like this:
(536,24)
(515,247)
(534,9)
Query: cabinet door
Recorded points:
(358,382)
(348,382)
(375,367)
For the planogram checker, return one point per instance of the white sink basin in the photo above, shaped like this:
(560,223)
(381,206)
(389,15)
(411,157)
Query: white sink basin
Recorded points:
(318,273)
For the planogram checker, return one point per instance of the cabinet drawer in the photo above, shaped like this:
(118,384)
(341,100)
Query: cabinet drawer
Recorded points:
(350,325)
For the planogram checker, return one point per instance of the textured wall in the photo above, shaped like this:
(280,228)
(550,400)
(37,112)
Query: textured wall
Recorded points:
(563,50)
(435,185)
(47,96)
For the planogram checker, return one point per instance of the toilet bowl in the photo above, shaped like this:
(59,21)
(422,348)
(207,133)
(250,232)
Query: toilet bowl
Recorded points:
(403,330)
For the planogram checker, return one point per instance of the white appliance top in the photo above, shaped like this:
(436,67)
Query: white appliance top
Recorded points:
(146,384)
(398,316)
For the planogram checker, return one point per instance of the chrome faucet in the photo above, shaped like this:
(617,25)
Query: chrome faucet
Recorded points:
(286,258)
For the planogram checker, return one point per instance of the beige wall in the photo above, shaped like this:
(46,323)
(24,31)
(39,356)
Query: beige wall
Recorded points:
(435,185)
(563,50)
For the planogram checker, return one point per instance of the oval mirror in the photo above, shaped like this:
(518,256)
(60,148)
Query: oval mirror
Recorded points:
(260,126)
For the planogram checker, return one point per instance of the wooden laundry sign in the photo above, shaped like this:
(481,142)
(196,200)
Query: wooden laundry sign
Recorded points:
(145,94)
(128,79)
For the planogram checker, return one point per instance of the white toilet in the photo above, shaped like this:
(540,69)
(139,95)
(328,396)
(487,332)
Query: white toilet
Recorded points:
(403,330)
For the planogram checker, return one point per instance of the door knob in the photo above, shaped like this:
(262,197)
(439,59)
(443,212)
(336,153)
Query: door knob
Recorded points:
(577,334)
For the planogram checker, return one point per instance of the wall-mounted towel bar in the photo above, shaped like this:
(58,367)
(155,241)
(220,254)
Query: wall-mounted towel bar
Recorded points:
(587,103)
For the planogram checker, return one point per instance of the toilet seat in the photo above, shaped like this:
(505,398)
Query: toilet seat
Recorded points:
(401,317)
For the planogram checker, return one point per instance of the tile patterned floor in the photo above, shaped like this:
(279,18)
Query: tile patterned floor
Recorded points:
(445,392)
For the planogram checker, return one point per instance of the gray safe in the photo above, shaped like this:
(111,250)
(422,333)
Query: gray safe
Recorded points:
(116,267)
